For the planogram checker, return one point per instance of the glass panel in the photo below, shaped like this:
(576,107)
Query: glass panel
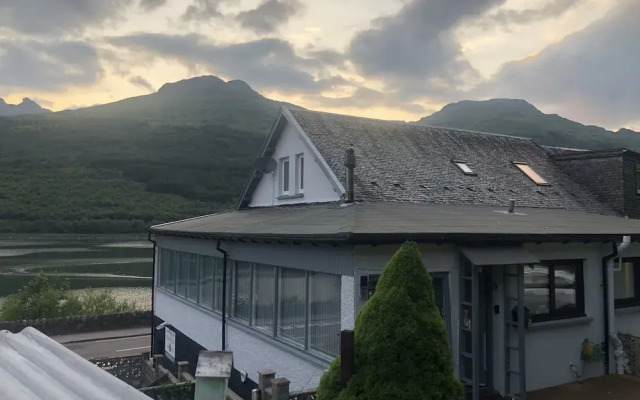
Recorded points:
(466,290)
(242,292)
(324,312)
(292,305)
(467,342)
(183,273)
(466,367)
(624,281)
(565,283)
(163,271)
(264,297)
(194,276)
(531,173)
(536,289)
(301,173)
(285,175)
(206,281)
(218,284)
(172,265)
(438,294)
(464,167)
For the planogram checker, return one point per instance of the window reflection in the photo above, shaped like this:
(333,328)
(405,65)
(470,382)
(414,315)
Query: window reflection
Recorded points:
(548,298)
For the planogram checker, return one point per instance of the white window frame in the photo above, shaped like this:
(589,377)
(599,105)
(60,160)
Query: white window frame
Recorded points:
(300,173)
(285,173)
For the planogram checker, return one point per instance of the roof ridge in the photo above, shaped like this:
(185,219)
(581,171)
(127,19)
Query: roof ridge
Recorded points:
(413,124)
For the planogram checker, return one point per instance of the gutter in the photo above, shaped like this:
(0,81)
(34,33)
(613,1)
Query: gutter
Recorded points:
(611,335)
(224,295)
(153,291)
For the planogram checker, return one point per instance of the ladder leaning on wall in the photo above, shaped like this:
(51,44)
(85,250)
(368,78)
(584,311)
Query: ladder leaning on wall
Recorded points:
(515,377)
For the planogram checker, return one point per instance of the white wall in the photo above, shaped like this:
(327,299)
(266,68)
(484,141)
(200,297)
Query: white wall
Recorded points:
(251,352)
(318,188)
(627,320)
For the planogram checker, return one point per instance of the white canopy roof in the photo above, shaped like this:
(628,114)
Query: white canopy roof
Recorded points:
(35,367)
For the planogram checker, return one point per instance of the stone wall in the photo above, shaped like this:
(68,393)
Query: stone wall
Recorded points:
(91,323)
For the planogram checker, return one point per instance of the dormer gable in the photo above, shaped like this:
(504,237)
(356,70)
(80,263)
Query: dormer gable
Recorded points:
(290,170)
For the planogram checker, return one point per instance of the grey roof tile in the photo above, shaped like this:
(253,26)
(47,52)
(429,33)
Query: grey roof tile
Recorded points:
(401,162)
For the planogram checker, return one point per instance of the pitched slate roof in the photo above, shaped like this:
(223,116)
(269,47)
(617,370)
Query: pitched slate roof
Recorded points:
(401,162)
(397,222)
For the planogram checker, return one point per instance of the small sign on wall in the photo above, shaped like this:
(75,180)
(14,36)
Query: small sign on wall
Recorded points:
(170,344)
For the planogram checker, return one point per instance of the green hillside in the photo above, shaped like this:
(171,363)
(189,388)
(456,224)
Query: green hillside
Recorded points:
(519,118)
(121,167)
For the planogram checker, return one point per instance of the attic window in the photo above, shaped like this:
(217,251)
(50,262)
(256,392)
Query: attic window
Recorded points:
(464,167)
(528,171)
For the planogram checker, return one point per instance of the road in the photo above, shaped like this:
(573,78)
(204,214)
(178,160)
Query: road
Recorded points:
(108,344)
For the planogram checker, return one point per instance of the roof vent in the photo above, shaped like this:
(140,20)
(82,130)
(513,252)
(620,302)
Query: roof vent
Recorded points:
(398,185)
(512,206)
(375,184)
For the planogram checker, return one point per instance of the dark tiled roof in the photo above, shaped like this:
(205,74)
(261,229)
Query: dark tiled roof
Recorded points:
(402,162)
(397,222)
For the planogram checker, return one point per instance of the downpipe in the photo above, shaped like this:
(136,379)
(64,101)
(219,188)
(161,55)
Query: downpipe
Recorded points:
(224,294)
(618,351)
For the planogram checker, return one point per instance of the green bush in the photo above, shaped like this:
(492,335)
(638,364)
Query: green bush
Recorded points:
(401,341)
(47,297)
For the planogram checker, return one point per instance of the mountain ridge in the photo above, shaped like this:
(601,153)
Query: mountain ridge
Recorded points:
(517,117)
(26,107)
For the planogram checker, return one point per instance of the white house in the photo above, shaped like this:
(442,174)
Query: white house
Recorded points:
(506,233)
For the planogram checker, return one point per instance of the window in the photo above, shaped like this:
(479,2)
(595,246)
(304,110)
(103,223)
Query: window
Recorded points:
(242,291)
(324,312)
(554,290)
(194,277)
(167,271)
(464,168)
(528,171)
(183,273)
(207,266)
(284,175)
(264,297)
(292,303)
(300,173)
(625,279)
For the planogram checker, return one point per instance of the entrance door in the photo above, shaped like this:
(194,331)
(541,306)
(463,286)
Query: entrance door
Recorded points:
(476,345)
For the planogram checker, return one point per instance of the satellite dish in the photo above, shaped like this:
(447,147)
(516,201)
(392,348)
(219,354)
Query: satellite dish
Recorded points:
(265,165)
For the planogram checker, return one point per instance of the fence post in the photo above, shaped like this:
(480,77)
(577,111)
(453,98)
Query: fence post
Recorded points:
(183,366)
(347,353)
(280,389)
(255,394)
(265,378)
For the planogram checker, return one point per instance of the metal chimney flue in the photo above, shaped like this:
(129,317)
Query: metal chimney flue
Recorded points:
(512,206)
(350,163)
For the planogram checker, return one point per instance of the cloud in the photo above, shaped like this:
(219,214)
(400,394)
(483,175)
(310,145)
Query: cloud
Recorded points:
(48,66)
(506,17)
(150,5)
(266,63)
(270,15)
(591,76)
(416,52)
(202,11)
(143,83)
(364,98)
(37,17)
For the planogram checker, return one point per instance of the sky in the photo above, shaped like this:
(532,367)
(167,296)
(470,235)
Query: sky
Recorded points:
(389,59)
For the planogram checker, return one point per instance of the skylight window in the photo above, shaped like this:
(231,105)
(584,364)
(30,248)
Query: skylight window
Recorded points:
(528,171)
(464,167)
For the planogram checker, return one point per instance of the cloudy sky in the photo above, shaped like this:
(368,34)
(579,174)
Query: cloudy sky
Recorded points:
(393,59)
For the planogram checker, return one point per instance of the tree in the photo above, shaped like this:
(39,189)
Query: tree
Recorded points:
(401,341)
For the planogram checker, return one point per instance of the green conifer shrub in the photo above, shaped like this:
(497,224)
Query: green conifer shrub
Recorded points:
(401,341)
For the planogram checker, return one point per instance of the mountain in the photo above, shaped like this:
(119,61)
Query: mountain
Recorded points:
(121,167)
(27,106)
(520,118)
